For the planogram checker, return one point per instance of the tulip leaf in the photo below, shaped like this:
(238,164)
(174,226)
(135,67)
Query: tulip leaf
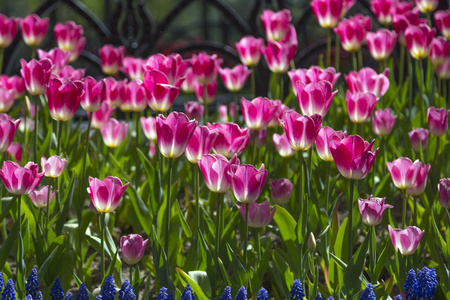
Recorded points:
(441,243)
(141,210)
(9,243)
(44,146)
(54,256)
(184,224)
(382,258)
(119,168)
(354,272)
(67,204)
(7,204)
(185,279)
(283,267)
(239,271)
(287,225)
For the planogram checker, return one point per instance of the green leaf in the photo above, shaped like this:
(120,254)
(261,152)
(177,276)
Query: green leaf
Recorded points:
(184,224)
(66,209)
(44,146)
(354,272)
(7,204)
(239,271)
(119,168)
(141,210)
(185,279)
(9,243)
(287,225)
(54,256)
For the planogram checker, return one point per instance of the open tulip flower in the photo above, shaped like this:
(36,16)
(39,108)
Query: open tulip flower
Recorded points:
(40,196)
(6,100)
(418,40)
(13,83)
(276,24)
(407,240)
(8,129)
(314,74)
(215,169)
(8,30)
(63,98)
(106,195)
(247,182)
(360,106)
(94,94)
(135,97)
(351,33)
(53,166)
(161,93)
(353,156)
(367,80)
(372,209)
(114,132)
(172,66)
(133,67)
(444,192)
(439,50)
(442,20)
(381,43)
(324,137)
(403,172)
(132,247)
(18,180)
(36,75)
(67,35)
(111,59)
(208,96)
(426,6)
(282,145)
(301,131)
(279,56)
(315,98)
(230,139)
(205,67)
(250,49)
(259,214)
(58,57)
(102,115)
(420,184)
(33,29)
(383,9)
(383,122)
(149,127)
(258,112)
(437,121)
(200,143)
(327,12)
(234,79)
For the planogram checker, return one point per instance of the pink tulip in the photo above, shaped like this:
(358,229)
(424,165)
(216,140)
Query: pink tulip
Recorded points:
(13,83)
(58,57)
(382,9)
(234,79)
(407,240)
(230,139)
(102,115)
(367,80)
(439,51)
(259,214)
(111,59)
(94,94)
(360,106)
(188,83)
(15,150)
(437,121)
(8,129)
(444,192)
(152,150)
(418,40)
(346,5)
(353,156)
(279,56)
(315,98)
(421,181)
(114,132)
(258,112)
(133,67)
(372,209)
(280,190)
(282,145)
(53,166)
(442,20)
(351,34)
(114,89)
(328,12)
(33,29)
(223,113)
(172,66)
(161,94)
(301,131)
(18,180)
(69,73)
(443,71)
(276,24)
(76,52)
(381,43)
(194,110)
(324,137)
(205,67)
(105,195)
(63,98)
(8,30)
(6,100)
(132,247)
(419,138)
(215,169)
(403,21)
(40,196)
(174,133)
(200,143)
(403,172)
(211,90)
(149,127)
(247,182)
(261,137)
(280,110)
(313,75)
(426,6)
(250,49)
(68,35)
(135,97)
(36,75)
(383,122)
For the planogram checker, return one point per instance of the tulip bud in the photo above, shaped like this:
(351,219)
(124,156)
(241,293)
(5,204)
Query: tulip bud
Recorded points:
(247,182)
(68,35)
(426,6)
(102,115)
(421,181)
(437,121)
(234,79)
(149,127)
(280,190)
(407,240)
(439,50)
(194,110)
(383,122)
(282,145)
(367,80)
(258,112)
(53,166)
(211,90)
(444,192)
(215,169)
(328,12)
(18,180)
(276,24)
(200,143)
(8,30)
(311,243)
(132,247)
(40,196)
(442,20)
(419,138)
(372,209)
(259,215)
(105,195)
(324,137)
(250,49)
(111,59)
(381,43)
(301,131)
(33,29)
(8,129)
(315,98)
(114,132)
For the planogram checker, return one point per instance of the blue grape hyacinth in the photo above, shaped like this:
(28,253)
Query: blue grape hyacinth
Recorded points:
(262,294)
(32,285)
(82,293)
(187,293)
(368,293)
(297,291)
(8,292)
(242,294)
(57,292)
(108,288)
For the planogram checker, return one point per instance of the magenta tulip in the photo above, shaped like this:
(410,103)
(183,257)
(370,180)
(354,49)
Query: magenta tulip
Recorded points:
(372,209)
(280,190)
(258,112)
(208,97)
(172,66)
(383,9)
(328,12)
(194,110)
(94,94)
(102,115)
(105,195)
(36,75)
(324,137)
(444,192)
(259,214)
(161,93)
(149,127)
(33,29)
(315,98)
(313,75)
(8,130)
(223,113)
(69,73)
(360,106)
(381,43)
(215,169)
(111,59)
(234,79)
(301,131)
(426,6)
(353,156)
(383,122)
(6,100)
(133,67)
(53,166)
(407,240)
(351,34)
(419,138)
(442,20)
(58,57)
(403,172)
(367,80)
(63,98)
(13,83)
(68,35)
(439,51)
(280,110)
(282,145)
(188,83)
(200,143)
(132,247)
(247,182)
(261,137)
(205,67)
(279,56)
(230,139)
(76,52)
(250,49)
(418,40)
(135,97)
(8,30)
(15,150)
(174,133)
(114,132)
(40,196)
(443,71)
(437,121)
(18,180)
(403,21)
(276,24)
(421,181)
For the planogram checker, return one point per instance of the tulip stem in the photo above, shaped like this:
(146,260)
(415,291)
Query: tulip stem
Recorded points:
(253,83)
(137,173)
(197,213)
(258,243)
(102,233)
(83,175)
(410,86)
(58,145)
(253,146)
(327,203)
(281,97)
(47,221)
(350,221)
(402,64)
(354,61)
(360,59)
(405,198)
(328,47)
(337,55)
(373,249)
(20,257)
(218,225)
(206,112)
(36,126)
(233,116)
(300,179)
(131,275)
(245,235)
(436,168)
(2,50)
(421,104)
(169,183)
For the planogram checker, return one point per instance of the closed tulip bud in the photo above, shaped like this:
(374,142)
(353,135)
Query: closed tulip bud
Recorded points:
(443,71)
(111,59)
(234,79)
(442,20)
(407,240)
(174,133)
(53,166)
(200,143)
(132,247)
(276,24)
(437,121)
(135,99)
(381,43)
(383,122)
(403,172)
(367,80)
(250,49)
(58,57)
(280,190)
(33,29)
(328,12)
(282,145)
(419,138)
(13,83)
(149,127)
(351,34)
(444,192)
(223,113)
(360,106)
(40,196)
(315,98)
(63,98)
(114,132)
(418,40)
(8,130)
(114,91)
(382,9)
(194,110)
(372,209)
(258,112)
(211,90)
(8,30)
(311,243)
(426,6)
(215,169)
(188,83)
(161,93)
(301,131)
(279,56)
(15,150)
(67,35)
(133,67)
(353,156)
(324,137)
(94,94)
(247,182)
(6,100)
(439,51)
(36,75)
(105,195)
(18,180)
(230,139)
(421,181)
(205,67)
(102,115)
(259,214)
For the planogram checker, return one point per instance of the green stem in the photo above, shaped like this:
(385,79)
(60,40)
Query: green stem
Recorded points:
(102,233)
(422,83)
(405,199)
(131,275)
(350,221)
(327,180)
(2,50)
(47,221)
(354,61)
(402,64)
(281,96)
(36,126)
(58,145)
(300,179)
(416,220)
(206,112)
(197,212)
(137,174)
(258,243)
(86,147)
(373,249)
(233,116)
(410,86)
(253,146)
(439,92)
(360,59)
(218,225)
(245,235)
(328,61)
(169,183)
(253,82)
(337,55)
